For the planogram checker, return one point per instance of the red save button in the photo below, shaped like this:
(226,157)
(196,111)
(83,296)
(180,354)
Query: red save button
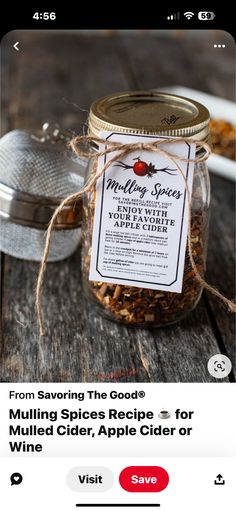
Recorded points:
(144,479)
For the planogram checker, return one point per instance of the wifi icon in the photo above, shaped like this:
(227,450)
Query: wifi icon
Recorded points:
(188,15)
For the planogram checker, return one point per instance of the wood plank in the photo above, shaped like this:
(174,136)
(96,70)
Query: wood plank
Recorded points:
(190,62)
(80,346)
(221,260)
(1,288)
(57,76)
(207,72)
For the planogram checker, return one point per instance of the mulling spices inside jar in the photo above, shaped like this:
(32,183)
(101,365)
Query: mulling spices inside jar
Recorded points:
(143,113)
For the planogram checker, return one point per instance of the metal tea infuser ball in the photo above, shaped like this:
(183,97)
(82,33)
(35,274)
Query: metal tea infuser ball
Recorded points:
(35,175)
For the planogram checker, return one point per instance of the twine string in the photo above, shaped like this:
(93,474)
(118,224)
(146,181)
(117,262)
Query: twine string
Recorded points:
(122,150)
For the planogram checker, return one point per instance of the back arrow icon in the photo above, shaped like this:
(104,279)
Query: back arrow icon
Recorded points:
(16,46)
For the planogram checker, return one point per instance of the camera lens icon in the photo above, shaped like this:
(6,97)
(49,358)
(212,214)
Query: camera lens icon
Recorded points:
(219,366)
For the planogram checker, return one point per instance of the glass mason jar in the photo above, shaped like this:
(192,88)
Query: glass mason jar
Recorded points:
(166,115)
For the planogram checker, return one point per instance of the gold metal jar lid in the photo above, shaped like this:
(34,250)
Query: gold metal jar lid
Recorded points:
(149,112)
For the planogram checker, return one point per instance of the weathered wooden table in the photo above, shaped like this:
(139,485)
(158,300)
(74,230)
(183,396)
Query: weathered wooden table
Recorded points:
(46,79)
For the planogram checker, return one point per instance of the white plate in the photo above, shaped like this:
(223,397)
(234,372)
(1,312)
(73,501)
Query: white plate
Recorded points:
(220,109)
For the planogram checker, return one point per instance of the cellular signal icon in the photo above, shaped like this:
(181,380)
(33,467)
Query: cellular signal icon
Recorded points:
(173,17)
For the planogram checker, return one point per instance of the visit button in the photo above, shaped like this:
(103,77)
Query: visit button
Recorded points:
(144,479)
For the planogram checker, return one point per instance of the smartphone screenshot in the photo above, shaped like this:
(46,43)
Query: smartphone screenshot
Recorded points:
(117,250)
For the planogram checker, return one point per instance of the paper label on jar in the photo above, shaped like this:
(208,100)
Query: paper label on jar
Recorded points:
(141,216)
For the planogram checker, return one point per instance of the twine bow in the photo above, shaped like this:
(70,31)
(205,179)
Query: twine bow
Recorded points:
(121,150)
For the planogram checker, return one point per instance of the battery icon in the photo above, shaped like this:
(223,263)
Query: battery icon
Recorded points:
(206,15)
